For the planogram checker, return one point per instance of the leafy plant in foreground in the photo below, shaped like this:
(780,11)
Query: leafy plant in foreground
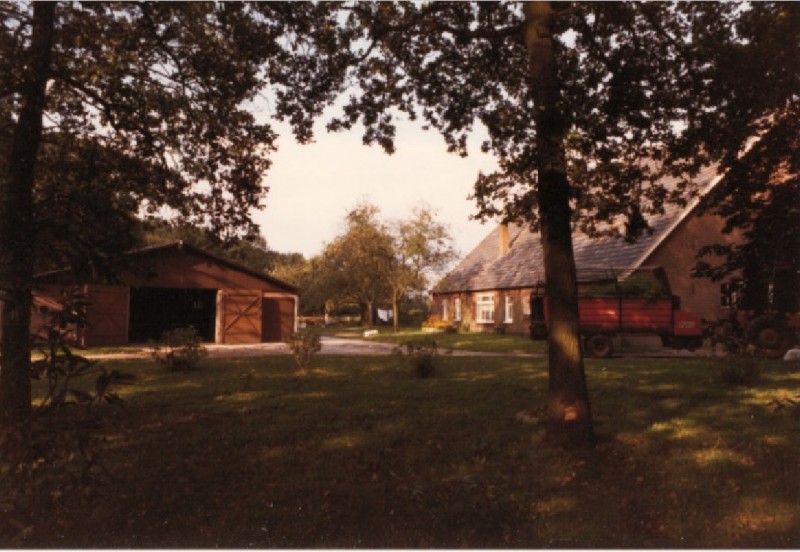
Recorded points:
(52,457)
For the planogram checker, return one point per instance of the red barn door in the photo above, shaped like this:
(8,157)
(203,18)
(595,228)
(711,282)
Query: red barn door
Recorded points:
(240,316)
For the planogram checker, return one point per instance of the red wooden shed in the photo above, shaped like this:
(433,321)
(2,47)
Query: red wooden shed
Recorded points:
(179,285)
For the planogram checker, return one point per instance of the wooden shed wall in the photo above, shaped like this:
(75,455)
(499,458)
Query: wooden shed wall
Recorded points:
(240,314)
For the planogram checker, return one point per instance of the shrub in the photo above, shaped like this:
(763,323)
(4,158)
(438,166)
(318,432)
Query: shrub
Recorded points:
(739,370)
(739,365)
(179,349)
(421,355)
(304,344)
(435,322)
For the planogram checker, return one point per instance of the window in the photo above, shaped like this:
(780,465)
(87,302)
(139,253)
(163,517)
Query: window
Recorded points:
(457,309)
(444,309)
(509,310)
(729,293)
(484,308)
(526,305)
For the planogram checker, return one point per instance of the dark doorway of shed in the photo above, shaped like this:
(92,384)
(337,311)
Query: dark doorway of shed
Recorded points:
(157,310)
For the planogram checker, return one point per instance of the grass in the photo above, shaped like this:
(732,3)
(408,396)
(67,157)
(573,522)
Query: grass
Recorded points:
(358,453)
(464,341)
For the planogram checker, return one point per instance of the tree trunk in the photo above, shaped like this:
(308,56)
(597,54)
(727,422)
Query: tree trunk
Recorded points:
(569,412)
(369,320)
(395,314)
(16,223)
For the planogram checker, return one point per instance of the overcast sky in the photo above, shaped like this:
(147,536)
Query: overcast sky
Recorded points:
(312,187)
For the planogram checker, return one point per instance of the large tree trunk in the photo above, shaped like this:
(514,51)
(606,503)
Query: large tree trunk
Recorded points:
(16,223)
(570,418)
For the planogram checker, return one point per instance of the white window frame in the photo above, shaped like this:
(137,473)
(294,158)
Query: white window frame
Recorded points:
(444,309)
(457,309)
(484,308)
(509,310)
(526,305)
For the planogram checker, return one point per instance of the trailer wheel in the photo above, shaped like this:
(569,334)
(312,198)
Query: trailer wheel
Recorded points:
(599,346)
(769,335)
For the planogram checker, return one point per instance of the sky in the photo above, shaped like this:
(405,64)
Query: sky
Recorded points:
(312,187)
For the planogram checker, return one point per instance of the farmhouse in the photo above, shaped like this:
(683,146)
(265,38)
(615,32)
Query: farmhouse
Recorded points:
(178,285)
(491,287)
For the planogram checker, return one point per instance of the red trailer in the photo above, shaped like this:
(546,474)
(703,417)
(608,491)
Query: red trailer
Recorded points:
(614,303)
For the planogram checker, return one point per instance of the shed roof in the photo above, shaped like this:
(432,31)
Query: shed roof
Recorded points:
(186,247)
(523,264)
(181,245)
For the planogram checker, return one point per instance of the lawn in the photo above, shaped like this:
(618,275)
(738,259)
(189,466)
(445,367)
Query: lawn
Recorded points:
(464,341)
(358,453)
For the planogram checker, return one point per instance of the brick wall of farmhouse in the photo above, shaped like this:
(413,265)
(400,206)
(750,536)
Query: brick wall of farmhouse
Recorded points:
(677,254)
(446,306)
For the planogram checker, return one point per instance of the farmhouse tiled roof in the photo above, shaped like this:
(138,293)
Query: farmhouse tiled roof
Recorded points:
(484,268)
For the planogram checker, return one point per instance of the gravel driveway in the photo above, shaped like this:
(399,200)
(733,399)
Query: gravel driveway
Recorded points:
(330,346)
(355,347)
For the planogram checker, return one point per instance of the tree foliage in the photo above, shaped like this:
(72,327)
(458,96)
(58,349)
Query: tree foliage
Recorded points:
(250,251)
(356,265)
(648,90)
(153,99)
(757,79)
(423,248)
(588,107)
(374,262)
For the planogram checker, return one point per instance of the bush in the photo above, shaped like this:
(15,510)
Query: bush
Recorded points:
(304,344)
(738,370)
(739,365)
(421,355)
(435,322)
(179,350)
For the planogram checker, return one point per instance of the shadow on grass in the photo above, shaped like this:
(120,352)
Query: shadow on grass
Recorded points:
(246,453)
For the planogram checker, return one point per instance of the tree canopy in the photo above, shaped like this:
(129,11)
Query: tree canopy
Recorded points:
(140,107)
(356,265)
(587,107)
(375,263)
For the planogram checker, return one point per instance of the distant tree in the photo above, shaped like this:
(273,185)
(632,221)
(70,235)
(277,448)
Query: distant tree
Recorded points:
(250,251)
(355,266)
(307,276)
(422,247)
(289,267)
(161,91)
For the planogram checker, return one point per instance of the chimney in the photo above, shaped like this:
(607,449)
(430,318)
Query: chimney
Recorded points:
(503,232)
